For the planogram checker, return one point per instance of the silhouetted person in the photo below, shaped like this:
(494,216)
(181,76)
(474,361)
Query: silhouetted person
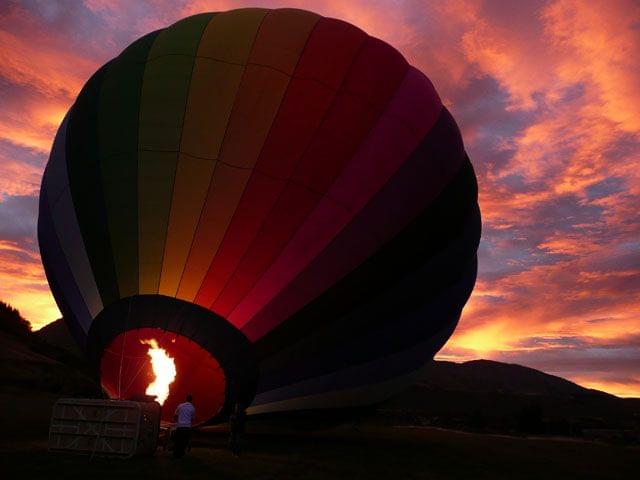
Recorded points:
(236,425)
(185,413)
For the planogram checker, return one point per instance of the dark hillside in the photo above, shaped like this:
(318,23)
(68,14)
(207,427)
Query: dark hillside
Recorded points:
(493,396)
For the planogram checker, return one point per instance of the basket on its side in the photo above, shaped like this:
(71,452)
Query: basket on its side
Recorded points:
(114,428)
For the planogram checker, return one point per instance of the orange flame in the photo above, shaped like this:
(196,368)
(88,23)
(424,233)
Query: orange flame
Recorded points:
(164,369)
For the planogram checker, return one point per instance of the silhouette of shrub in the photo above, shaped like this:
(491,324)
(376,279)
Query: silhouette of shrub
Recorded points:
(11,321)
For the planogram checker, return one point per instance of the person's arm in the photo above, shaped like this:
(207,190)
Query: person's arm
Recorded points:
(175,414)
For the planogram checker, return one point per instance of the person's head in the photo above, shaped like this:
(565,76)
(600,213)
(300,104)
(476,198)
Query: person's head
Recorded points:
(189,397)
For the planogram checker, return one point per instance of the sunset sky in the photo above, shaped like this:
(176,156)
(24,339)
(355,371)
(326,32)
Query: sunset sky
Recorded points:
(546,93)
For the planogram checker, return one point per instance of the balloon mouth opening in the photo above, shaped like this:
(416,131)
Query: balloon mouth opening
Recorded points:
(156,364)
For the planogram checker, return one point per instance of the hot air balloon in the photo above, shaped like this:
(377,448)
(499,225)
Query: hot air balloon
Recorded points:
(276,200)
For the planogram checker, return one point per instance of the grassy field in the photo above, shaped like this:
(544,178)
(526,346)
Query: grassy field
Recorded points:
(341,452)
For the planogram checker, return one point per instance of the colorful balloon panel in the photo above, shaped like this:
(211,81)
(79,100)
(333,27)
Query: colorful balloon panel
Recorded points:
(278,190)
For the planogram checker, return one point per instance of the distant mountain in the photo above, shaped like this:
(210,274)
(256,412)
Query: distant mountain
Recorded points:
(484,376)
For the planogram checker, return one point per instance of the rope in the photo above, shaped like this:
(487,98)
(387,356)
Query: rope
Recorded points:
(124,341)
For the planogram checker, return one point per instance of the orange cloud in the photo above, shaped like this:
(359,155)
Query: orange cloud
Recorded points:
(24,62)
(600,41)
(35,125)
(18,178)
(628,388)
(23,285)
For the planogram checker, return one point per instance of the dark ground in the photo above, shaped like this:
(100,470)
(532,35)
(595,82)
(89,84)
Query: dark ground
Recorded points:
(342,452)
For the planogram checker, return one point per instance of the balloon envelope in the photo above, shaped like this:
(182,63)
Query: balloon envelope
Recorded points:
(279,199)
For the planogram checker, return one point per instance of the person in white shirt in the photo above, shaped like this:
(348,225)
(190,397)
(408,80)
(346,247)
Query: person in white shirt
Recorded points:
(184,415)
